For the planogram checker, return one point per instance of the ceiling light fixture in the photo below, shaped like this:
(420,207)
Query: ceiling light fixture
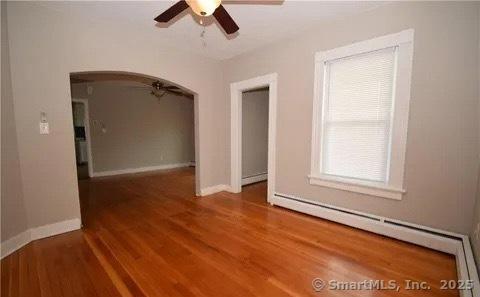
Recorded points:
(204,7)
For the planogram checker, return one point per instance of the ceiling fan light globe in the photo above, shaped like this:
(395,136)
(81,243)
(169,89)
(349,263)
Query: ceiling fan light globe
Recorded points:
(204,7)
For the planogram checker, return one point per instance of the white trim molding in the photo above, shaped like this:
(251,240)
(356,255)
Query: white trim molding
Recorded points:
(254,178)
(11,245)
(393,186)
(236,90)
(440,240)
(372,189)
(215,189)
(198,156)
(55,229)
(140,169)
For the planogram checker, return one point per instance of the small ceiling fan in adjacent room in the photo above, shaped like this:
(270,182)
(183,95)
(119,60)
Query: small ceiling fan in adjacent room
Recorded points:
(202,8)
(159,89)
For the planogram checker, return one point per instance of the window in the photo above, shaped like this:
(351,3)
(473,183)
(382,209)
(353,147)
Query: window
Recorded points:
(362,94)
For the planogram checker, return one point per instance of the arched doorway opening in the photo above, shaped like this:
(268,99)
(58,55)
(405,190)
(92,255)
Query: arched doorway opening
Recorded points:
(129,124)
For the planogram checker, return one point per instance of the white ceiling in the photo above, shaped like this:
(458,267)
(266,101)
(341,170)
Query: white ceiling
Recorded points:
(259,24)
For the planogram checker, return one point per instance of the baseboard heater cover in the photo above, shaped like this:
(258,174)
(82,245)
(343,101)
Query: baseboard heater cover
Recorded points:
(444,241)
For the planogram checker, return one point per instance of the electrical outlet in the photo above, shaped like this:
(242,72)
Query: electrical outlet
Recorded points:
(44,129)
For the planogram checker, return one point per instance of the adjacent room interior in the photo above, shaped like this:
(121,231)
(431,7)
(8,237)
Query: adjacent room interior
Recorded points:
(134,123)
(128,124)
(240,148)
(254,136)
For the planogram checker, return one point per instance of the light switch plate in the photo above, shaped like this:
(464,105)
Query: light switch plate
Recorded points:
(44,129)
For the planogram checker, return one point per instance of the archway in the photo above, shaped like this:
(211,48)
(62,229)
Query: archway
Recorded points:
(155,86)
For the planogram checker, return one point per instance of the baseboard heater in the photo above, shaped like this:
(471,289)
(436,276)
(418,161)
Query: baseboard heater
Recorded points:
(444,241)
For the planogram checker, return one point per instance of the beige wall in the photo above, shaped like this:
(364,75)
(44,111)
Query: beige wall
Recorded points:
(45,46)
(442,142)
(14,219)
(141,131)
(254,132)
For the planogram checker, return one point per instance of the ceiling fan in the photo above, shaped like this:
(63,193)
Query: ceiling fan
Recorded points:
(159,89)
(202,8)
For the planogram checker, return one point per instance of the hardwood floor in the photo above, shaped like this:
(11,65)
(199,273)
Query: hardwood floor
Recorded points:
(147,235)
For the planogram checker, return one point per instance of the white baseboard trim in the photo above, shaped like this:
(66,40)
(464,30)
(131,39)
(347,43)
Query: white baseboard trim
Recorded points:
(54,229)
(11,245)
(140,169)
(471,265)
(254,179)
(214,189)
(444,241)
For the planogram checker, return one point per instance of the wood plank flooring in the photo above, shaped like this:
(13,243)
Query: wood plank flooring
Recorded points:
(147,235)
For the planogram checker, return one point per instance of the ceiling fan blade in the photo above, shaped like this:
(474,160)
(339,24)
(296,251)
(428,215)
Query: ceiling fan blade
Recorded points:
(172,88)
(75,80)
(140,87)
(179,93)
(175,92)
(172,12)
(225,20)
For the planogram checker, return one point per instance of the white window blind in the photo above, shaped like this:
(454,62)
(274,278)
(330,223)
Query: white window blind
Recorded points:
(357,115)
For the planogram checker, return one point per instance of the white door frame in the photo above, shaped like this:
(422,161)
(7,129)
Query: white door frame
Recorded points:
(87,134)
(236,90)
(196,127)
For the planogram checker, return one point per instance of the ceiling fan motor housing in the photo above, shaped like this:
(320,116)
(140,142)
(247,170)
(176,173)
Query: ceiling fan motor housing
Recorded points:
(204,7)
(157,85)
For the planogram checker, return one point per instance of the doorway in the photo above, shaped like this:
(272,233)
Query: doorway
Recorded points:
(254,136)
(81,132)
(267,82)
(138,123)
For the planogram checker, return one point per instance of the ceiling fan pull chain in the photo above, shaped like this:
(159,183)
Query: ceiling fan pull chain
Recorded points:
(202,35)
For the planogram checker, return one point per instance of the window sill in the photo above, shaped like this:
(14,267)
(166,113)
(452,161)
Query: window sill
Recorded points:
(367,188)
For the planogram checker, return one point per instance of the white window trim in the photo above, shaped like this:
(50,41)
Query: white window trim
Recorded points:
(394,188)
